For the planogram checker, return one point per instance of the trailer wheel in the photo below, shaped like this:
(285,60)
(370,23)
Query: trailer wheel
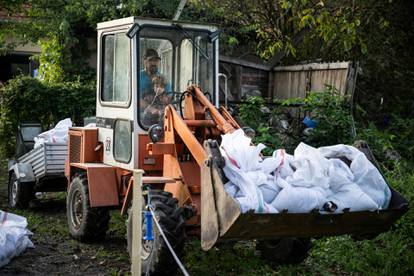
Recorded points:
(85,223)
(155,255)
(284,251)
(19,194)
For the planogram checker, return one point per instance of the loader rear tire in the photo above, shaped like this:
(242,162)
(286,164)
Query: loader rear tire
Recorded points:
(85,223)
(19,194)
(155,255)
(284,251)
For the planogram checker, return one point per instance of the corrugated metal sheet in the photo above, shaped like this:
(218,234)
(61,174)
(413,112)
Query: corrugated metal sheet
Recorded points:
(47,159)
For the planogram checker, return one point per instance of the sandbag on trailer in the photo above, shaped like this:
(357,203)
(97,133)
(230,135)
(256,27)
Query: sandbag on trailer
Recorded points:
(58,134)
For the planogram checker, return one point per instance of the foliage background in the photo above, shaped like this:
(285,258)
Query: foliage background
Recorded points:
(377,33)
(25,99)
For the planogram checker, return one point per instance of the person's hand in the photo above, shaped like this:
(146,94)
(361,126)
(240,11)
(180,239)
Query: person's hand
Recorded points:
(165,99)
(152,110)
(159,91)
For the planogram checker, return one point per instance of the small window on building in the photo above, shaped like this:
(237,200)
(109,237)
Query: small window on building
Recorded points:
(122,141)
(116,68)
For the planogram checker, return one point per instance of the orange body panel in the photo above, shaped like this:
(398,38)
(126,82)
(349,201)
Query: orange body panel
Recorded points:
(89,142)
(102,184)
(83,147)
(151,164)
(160,148)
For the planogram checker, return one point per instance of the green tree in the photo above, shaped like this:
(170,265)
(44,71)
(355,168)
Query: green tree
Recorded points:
(64,29)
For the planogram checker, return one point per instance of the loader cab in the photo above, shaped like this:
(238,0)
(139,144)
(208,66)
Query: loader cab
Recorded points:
(134,56)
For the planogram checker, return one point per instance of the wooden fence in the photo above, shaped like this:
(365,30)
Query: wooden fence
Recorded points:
(282,82)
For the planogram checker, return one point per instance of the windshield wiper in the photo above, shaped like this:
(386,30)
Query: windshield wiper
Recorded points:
(188,36)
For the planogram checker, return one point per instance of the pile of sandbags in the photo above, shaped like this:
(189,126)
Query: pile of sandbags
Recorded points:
(58,134)
(14,236)
(310,179)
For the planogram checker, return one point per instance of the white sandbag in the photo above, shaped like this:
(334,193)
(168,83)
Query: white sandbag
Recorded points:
(58,134)
(269,190)
(351,196)
(237,148)
(251,197)
(366,175)
(265,183)
(258,177)
(231,189)
(299,199)
(284,169)
(268,208)
(14,237)
(311,168)
(270,164)
(339,174)
(240,158)
(281,183)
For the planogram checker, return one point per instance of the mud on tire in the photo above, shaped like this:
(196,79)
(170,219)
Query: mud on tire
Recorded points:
(156,257)
(85,223)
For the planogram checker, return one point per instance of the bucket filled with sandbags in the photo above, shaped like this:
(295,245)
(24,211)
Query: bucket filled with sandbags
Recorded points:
(315,192)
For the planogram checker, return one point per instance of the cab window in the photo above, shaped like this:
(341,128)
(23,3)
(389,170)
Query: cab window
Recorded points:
(116,68)
(155,79)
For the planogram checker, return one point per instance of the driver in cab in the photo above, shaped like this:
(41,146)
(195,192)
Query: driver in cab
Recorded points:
(154,88)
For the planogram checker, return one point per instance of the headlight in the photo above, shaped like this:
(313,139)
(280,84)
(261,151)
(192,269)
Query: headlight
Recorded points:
(155,133)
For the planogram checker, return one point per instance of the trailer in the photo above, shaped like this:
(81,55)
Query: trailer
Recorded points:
(39,169)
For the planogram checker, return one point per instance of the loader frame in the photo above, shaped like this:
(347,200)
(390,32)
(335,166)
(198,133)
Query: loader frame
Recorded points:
(184,160)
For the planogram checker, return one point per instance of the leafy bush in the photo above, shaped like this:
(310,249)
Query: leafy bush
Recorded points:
(280,125)
(25,99)
(392,143)
(256,115)
(333,116)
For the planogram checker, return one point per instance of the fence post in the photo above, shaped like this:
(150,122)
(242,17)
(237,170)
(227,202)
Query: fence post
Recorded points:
(137,221)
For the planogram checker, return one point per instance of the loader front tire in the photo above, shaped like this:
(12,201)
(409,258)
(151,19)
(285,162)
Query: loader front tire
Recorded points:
(85,223)
(19,194)
(155,255)
(284,251)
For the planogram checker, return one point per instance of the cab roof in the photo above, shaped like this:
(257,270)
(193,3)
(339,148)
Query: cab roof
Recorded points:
(154,21)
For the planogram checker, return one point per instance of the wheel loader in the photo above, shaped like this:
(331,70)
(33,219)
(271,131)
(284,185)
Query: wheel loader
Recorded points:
(177,145)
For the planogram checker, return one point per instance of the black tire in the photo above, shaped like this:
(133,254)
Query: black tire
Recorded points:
(19,194)
(284,251)
(85,224)
(156,257)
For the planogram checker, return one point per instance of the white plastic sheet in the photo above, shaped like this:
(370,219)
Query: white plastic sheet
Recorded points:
(14,237)
(302,182)
(58,134)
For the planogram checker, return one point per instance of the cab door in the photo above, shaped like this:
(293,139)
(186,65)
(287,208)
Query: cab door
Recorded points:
(115,108)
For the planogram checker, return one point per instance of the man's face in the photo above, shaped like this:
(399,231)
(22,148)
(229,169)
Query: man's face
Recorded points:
(152,65)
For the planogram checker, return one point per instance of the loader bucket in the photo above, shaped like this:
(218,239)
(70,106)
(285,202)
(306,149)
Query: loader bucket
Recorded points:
(221,218)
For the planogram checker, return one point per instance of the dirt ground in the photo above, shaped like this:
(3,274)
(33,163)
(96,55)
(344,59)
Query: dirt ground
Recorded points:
(55,253)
